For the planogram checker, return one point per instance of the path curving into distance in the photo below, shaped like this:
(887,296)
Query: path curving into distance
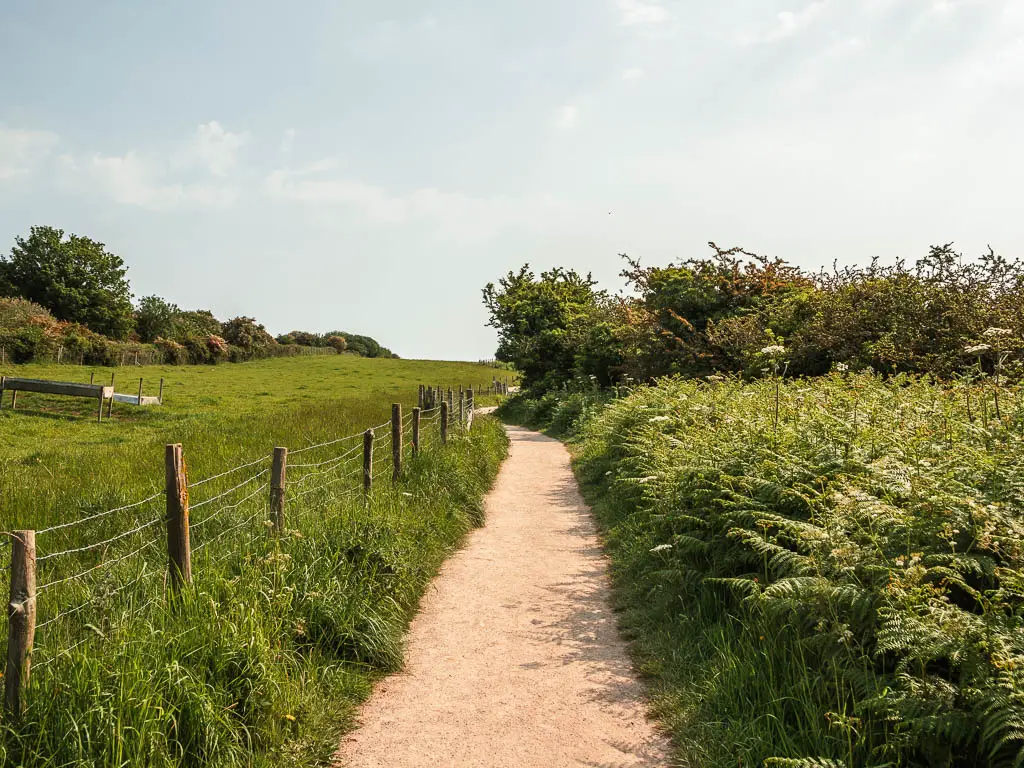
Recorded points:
(514,660)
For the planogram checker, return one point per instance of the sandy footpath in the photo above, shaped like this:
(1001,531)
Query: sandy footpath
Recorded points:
(514,659)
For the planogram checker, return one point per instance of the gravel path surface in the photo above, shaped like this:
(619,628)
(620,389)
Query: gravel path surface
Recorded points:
(514,659)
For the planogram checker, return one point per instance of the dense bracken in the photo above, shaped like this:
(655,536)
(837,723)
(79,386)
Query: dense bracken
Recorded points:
(817,572)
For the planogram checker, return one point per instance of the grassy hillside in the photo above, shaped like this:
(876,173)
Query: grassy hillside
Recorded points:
(825,571)
(261,660)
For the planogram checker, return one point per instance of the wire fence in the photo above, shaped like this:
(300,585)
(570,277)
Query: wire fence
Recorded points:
(83,577)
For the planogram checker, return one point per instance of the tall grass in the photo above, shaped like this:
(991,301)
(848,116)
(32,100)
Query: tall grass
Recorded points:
(842,584)
(262,659)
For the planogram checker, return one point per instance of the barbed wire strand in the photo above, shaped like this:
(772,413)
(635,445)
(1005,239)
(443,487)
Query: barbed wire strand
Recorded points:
(98,515)
(99,544)
(222,494)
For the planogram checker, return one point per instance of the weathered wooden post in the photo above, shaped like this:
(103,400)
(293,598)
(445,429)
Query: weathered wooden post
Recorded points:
(420,397)
(161,396)
(92,377)
(396,441)
(21,621)
(140,391)
(462,409)
(470,405)
(278,468)
(444,421)
(415,432)
(367,460)
(451,401)
(179,551)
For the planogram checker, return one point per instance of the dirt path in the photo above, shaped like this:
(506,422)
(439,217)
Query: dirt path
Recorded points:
(514,659)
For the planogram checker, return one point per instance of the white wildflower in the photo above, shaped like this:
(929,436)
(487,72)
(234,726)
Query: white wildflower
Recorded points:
(662,548)
(715,377)
(647,479)
(773,350)
(660,418)
(842,367)
(997,332)
(977,349)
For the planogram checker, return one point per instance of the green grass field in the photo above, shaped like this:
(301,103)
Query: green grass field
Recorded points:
(55,460)
(261,660)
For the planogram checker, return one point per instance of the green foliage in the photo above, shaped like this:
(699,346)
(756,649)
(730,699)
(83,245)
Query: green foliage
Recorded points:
(718,314)
(74,277)
(197,322)
(246,333)
(552,327)
(824,571)
(155,318)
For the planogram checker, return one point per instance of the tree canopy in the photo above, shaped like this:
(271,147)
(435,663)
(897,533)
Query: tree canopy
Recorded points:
(74,277)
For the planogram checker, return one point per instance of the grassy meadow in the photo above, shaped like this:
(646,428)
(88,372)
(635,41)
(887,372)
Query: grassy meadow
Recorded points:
(262,659)
(815,572)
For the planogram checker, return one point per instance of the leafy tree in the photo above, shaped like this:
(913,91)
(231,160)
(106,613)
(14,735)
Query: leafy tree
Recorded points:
(74,277)
(246,333)
(540,321)
(337,342)
(155,318)
(196,322)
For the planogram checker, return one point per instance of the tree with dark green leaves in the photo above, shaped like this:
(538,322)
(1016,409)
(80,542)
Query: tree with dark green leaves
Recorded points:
(543,322)
(155,318)
(74,277)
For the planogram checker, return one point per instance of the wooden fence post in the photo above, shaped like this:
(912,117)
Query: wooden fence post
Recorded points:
(470,405)
(462,409)
(161,396)
(419,397)
(179,551)
(21,621)
(92,377)
(415,432)
(367,460)
(140,391)
(451,401)
(444,421)
(396,441)
(278,468)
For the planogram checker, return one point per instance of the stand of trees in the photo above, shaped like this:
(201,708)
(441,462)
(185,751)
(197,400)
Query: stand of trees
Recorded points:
(743,313)
(69,292)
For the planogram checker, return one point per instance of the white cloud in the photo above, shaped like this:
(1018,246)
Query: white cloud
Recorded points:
(22,150)
(567,117)
(451,215)
(288,140)
(214,148)
(633,73)
(641,12)
(133,179)
(788,24)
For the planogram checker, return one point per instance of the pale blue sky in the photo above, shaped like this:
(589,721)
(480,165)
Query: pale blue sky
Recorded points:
(370,166)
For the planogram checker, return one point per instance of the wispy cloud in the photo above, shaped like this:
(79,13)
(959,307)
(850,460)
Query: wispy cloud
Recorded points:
(133,179)
(641,12)
(214,148)
(566,117)
(450,215)
(194,175)
(788,24)
(633,73)
(288,140)
(22,150)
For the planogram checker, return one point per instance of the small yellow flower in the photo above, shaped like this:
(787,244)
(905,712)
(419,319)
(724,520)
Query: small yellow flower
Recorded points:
(290,718)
